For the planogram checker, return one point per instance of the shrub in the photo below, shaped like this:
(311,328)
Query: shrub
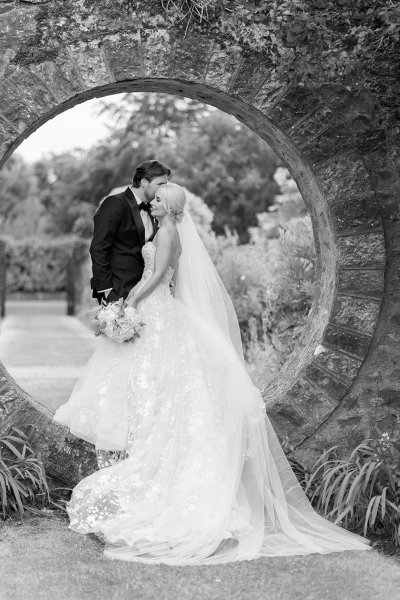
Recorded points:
(271,283)
(40,265)
(23,484)
(363,491)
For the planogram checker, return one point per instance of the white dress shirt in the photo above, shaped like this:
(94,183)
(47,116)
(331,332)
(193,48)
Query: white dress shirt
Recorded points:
(148,229)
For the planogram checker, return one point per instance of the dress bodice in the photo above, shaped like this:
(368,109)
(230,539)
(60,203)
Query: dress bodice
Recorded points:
(149,253)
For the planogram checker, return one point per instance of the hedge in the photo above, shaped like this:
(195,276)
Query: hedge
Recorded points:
(42,265)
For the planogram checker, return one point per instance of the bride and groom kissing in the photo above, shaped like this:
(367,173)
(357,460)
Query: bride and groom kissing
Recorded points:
(202,477)
(122,225)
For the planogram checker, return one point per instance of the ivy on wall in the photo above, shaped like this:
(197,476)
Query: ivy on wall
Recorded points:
(306,40)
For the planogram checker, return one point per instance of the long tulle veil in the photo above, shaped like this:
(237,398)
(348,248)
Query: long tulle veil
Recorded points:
(200,288)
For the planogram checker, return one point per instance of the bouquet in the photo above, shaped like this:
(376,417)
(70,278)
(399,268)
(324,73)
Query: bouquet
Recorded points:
(118,321)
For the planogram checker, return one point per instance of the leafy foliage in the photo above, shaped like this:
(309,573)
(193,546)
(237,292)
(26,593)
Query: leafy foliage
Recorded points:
(209,152)
(23,484)
(40,265)
(307,40)
(363,491)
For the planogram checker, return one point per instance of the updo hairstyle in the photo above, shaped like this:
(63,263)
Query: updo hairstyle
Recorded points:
(173,199)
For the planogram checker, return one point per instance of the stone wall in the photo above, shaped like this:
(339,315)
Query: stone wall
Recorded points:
(340,142)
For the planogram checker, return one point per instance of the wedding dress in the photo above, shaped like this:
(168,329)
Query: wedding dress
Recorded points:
(204,480)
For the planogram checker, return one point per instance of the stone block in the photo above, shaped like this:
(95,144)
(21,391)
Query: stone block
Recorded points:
(222,66)
(89,59)
(391,399)
(7,134)
(334,141)
(366,283)
(360,314)
(344,178)
(123,53)
(289,422)
(157,52)
(61,76)
(23,99)
(308,128)
(190,58)
(313,404)
(340,363)
(332,387)
(369,141)
(294,105)
(270,93)
(357,213)
(249,78)
(349,341)
(363,250)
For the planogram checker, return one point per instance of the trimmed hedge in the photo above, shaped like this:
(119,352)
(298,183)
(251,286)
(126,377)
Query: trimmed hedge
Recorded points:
(42,265)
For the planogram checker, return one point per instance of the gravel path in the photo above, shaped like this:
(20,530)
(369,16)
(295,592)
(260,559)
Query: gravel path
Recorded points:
(43,349)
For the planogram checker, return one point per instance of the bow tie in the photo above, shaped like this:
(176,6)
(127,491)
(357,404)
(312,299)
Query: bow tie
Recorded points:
(144,206)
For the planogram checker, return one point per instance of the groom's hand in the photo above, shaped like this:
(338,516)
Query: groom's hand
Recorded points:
(112,296)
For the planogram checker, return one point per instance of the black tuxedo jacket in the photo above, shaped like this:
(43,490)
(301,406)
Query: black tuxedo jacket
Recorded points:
(118,238)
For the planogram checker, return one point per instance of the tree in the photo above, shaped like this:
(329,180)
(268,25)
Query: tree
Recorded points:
(210,153)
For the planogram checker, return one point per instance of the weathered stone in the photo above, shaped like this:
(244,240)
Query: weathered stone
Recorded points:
(90,62)
(269,94)
(6,133)
(340,363)
(348,341)
(358,314)
(313,404)
(357,213)
(310,126)
(64,456)
(343,179)
(333,388)
(290,423)
(297,103)
(123,54)
(334,141)
(251,74)
(391,398)
(363,250)
(15,107)
(61,76)
(359,282)
(157,52)
(190,58)
(222,66)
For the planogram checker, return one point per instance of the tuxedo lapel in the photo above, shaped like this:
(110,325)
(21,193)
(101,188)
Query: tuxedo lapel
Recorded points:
(131,200)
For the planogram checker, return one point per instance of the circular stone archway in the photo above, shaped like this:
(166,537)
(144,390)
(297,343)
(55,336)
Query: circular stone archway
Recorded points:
(344,376)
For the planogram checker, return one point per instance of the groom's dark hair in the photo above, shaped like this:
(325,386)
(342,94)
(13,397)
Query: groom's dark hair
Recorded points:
(149,170)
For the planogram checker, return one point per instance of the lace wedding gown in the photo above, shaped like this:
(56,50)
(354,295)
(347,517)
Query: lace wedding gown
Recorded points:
(205,479)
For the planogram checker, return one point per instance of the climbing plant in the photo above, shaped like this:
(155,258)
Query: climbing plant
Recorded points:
(305,40)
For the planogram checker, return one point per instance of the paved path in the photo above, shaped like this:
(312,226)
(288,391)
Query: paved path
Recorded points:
(43,349)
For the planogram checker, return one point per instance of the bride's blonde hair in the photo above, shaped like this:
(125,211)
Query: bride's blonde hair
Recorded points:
(173,199)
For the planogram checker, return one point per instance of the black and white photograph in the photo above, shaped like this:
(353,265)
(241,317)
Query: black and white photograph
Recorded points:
(199,299)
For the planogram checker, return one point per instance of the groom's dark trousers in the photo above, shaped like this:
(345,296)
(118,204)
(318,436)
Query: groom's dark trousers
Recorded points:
(118,238)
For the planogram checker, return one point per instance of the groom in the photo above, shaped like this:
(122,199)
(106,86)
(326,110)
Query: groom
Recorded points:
(122,225)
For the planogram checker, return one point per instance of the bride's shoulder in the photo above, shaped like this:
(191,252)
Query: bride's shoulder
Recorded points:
(167,235)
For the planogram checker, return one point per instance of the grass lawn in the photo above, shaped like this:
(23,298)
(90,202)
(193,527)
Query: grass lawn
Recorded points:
(42,559)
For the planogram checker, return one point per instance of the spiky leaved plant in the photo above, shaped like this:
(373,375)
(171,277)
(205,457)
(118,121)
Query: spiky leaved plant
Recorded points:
(23,484)
(362,491)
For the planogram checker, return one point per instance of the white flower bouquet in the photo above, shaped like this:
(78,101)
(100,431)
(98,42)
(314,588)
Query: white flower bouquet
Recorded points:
(118,321)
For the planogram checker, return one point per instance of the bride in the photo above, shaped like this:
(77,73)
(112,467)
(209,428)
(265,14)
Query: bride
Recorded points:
(204,479)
